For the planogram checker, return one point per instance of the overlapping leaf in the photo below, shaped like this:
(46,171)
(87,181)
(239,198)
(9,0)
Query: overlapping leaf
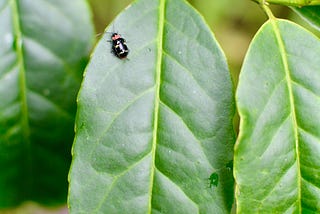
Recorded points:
(310,14)
(43,45)
(296,3)
(153,128)
(277,154)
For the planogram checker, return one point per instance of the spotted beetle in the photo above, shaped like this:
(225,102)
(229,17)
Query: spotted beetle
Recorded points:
(119,46)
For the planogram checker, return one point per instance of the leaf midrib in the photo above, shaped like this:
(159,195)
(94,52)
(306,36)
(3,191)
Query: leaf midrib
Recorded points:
(25,128)
(291,99)
(157,96)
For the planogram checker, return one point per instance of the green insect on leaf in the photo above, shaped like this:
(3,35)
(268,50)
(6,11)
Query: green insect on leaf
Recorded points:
(213,180)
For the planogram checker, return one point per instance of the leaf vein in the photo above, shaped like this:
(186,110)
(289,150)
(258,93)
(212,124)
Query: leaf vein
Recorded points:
(178,187)
(190,131)
(57,107)
(288,78)
(190,74)
(116,178)
(57,57)
(190,38)
(116,115)
(159,60)
(9,70)
(275,134)
(24,120)
(185,124)
(309,133)
(316,185)
(307,89)
(273,188)
(59,10)
(266,103)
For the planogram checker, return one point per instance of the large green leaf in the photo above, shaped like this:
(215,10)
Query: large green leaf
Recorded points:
(43,47)
(310,14)
(277,164)
(154,131)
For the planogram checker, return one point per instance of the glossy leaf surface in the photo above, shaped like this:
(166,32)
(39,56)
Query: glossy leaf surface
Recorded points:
(152,128)
(310,14)
(43,50)
(277,153)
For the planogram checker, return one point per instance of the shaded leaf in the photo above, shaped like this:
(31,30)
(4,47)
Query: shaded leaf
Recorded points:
(277,153)
(152,128)
(42,53)
(310,14)
(296,3)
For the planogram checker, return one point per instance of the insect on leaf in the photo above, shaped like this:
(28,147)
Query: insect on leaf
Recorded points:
(153,127)
(213,179)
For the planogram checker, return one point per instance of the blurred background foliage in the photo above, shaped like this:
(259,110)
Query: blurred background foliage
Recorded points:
(234,23)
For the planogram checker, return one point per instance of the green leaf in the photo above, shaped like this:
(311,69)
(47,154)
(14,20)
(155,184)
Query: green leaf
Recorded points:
(297,3)
(310,14)
(43,50)
(151,129)
(277,153)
